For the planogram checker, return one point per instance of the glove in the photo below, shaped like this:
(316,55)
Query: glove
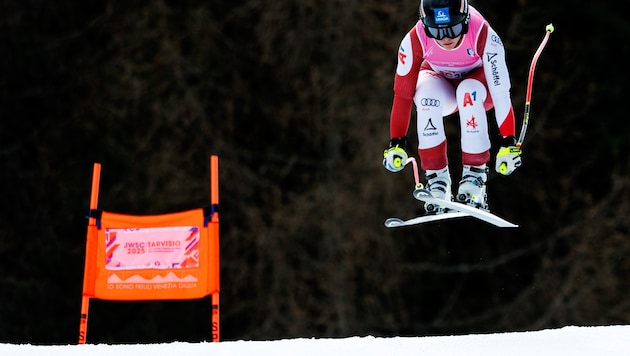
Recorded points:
(508,157)
(395,157)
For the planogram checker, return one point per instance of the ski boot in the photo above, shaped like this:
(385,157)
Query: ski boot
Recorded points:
(472,187)
(439,184)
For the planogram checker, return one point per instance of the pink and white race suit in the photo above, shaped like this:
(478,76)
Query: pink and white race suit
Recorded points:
(472,78)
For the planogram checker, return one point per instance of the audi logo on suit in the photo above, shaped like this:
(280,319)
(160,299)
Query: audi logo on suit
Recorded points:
(429,102)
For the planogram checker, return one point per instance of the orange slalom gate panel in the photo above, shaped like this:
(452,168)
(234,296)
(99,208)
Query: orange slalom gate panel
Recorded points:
(152,257)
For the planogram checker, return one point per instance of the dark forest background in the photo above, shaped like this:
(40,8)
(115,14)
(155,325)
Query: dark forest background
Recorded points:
(294,98)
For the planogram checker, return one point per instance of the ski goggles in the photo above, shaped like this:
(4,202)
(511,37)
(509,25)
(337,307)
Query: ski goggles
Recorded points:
(440,32)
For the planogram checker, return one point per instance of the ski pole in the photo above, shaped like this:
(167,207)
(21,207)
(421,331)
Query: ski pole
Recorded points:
(549,29)
(416,175)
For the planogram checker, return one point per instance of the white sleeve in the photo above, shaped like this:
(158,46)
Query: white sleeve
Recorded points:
(497,75)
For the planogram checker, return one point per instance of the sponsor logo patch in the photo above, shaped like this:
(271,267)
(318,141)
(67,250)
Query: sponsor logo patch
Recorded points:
(442,15)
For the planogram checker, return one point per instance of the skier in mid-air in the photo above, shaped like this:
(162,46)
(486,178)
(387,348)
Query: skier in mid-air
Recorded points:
(452,61)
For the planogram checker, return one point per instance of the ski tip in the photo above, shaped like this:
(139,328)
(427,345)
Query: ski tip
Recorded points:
(393,222)
(503,223)
(421,193)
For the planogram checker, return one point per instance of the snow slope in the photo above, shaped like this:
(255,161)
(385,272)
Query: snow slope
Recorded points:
(574,341)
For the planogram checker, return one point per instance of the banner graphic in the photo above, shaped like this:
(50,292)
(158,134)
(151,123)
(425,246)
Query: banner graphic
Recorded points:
(152,248)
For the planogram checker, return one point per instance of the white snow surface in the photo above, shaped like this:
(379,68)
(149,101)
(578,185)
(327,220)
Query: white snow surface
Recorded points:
(571,340)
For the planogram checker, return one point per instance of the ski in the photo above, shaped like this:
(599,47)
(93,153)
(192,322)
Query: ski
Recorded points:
(396,222)
(425,196)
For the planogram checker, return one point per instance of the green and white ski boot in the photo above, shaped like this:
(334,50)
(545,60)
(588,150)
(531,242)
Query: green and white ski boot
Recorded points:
(439,184)
(472,187)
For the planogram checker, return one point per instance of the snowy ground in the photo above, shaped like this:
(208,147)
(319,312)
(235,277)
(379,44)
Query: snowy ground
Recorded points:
(574,341)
